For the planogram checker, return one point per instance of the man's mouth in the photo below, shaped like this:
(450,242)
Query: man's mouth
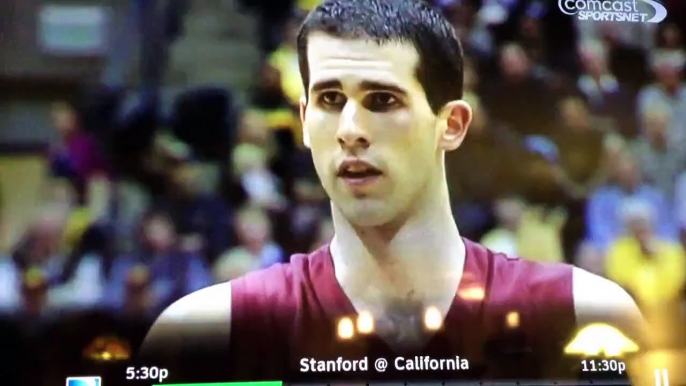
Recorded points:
(356,169)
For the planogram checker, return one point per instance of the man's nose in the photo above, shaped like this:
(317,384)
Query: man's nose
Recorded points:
(351,132)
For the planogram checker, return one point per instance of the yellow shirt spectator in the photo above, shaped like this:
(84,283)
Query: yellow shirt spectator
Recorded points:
(537,237)
(285,59)
(78,222)
(653,279)
(308,5)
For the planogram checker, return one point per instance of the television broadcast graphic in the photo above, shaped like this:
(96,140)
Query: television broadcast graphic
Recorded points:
(83,381)
(343,192)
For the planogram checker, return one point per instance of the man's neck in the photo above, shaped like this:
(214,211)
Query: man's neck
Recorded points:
(671,89)
(659,144)
(420,260)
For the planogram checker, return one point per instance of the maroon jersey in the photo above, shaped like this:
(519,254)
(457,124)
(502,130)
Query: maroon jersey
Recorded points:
(288,312)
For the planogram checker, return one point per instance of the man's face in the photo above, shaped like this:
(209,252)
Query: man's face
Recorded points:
(514,63)
(627,172)
(639,228)
(367,108)
(668,75)
(64,119)
(159,233)
(575,114)
(656,126)
(184,178)
(593,61)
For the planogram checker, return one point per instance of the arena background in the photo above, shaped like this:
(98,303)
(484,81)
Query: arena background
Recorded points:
(152,148)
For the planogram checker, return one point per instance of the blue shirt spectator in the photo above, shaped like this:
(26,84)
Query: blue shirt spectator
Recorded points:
(172,272)
(197,214)
(10,285)
(172,275)
(603,221)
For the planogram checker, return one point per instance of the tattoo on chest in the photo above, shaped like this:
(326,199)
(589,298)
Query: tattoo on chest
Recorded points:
(402,324)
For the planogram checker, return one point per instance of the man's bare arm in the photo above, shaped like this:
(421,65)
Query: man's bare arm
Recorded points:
(201,320)
(599,300)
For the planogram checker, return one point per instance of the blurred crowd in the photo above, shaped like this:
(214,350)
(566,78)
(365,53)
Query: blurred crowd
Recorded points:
(576,154)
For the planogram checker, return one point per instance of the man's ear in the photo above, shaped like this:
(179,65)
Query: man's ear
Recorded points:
(303,108)
(455,119)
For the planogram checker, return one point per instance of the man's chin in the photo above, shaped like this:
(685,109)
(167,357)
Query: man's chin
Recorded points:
(367,212)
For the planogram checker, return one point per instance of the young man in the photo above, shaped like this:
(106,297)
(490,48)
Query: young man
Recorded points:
(383,83)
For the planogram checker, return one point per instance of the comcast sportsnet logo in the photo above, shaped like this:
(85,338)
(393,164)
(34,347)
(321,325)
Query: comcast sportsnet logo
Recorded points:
(631,11)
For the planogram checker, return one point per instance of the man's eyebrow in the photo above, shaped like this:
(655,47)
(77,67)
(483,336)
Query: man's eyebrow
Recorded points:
(368,85)
(327,84)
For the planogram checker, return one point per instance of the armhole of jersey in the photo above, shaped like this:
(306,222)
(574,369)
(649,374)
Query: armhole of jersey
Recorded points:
(254,338)
(559,307)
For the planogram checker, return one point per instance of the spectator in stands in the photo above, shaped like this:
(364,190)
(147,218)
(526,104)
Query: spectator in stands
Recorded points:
(201,218)
(296,228)
(532,37)
(325,233)
(653,269)
(626,53)
(509,212)
(580,143)
(308,5)
(62,198)
(680,204)
(670,37)
(660,160)
(527,231)
(171,271)
(272,16)
(61,246)
(613,146)
(596,82)
(539,236)
(81,281)
(532,111)
(581,164)
(473,193)
(239,263)
(250,164)
(471,76)
(83,287)
(473,32)
(42,246)
(668,90)
(590,258)
(285,60)
(10,285)
(255,236)
(34,295)
(139,294)
(603,215)
(78,156)
(268,95)
(605,95)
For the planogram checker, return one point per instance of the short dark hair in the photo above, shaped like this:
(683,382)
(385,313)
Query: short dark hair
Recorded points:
(381,21)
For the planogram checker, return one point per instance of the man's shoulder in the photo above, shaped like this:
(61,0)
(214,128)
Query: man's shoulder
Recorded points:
(594,294)
(208,314)
(587,289)
(592,298)
(513,280)
(599,300)
(528,272)
(202,316)
(279,279)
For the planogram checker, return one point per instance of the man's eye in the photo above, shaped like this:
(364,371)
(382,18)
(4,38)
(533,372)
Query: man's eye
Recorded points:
(381,101)
(331,98)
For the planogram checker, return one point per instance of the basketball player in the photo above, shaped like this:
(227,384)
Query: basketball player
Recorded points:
(382,106)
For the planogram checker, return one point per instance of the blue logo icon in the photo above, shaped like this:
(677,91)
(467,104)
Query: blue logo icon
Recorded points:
(84,381)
